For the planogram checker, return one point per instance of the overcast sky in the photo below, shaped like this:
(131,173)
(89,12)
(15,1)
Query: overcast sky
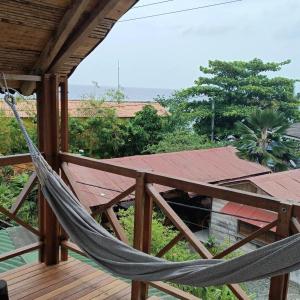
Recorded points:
(166,52)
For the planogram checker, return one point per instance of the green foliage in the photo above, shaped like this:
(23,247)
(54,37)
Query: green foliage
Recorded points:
(235,89)
(12,140)
(182,140)
(261,139)
(10,187)
(180,252)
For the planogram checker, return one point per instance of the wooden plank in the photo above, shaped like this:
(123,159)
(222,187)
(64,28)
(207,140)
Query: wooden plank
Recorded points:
(295,225)
(20,251)
(246,240)
(117,227)
(24,193)
(54,45)
(279,284)
(173,291)
(73,247)
(97,15)
(11,160)
(19,221)
(170,245)
(22,77)
(97,164)
(211,190)
(190,237)
(114,201)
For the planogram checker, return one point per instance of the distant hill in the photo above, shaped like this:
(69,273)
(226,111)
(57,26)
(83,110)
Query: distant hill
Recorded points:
(78,92)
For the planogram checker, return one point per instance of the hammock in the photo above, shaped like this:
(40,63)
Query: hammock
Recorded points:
(123,260)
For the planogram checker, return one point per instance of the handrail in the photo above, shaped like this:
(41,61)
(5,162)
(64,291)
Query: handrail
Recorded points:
(20,251)
(206,189)
(15,159)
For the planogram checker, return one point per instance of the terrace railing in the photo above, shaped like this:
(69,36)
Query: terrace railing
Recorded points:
(146,196)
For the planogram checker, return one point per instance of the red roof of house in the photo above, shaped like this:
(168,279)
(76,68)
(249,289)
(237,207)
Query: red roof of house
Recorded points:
(210,166)
(83,108)
(282,185)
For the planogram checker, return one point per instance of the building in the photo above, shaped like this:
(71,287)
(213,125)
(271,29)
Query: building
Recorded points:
(84,109)
(294,131)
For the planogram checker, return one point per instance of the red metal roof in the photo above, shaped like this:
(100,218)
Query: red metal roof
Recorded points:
(210,166)
(84,109)
(282,185)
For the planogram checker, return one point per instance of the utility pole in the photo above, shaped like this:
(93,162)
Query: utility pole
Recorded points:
(212,137)
(118,75)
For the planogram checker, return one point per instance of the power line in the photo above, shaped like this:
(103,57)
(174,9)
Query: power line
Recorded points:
(180,11)
(153,3)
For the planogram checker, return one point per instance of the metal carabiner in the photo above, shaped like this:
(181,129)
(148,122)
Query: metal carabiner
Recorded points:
(9,99)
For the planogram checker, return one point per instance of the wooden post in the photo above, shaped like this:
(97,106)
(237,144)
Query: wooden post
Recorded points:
(41,200)
(48,137)
(64,144)
(138,288)
(279,284)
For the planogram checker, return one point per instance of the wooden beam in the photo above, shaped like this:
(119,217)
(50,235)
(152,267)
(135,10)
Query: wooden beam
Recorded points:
(22,77)
(114,201)
(97,15)
(54,45)
(19,221)
(173,291)
(279,284)
(15,159)
(98,165)
(73,247)
(139,288)
(246,240)
(50,144)
(24,193)
(20,251)
(188,234)
(170,245)
(117,227)
(295,225)
(211,190)
(64,115)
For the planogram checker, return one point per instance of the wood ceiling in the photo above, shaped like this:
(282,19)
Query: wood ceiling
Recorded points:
(52,36)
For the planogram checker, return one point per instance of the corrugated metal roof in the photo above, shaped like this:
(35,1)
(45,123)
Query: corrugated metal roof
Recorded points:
(83,108)
(294,130)
(282,185)
(209,165)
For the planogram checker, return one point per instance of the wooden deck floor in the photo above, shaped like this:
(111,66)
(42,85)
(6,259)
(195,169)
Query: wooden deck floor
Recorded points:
(68,280)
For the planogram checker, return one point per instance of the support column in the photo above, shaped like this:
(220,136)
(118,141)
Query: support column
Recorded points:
(48,139)
(64,144)
(279,284)
(142,232)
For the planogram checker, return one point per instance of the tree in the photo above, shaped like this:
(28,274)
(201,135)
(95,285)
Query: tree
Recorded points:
(235,89)
(182,140)
(261,139)
(143,131)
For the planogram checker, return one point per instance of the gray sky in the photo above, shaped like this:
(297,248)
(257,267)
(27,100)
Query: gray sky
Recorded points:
(166,52)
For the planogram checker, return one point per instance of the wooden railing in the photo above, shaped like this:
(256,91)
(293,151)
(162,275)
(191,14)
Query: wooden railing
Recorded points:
(12,213)
(146,196)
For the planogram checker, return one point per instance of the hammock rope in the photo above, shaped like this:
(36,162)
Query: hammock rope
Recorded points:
(123,260)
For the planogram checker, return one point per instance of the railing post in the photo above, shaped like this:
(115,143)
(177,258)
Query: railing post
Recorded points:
(142,231)
(64,146)
(279,284)
(48,141)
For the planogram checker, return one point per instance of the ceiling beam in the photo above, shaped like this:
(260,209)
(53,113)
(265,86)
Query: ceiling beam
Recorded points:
(97,15)
(66,26)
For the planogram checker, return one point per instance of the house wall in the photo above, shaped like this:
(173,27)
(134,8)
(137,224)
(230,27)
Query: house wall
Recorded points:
(225,228)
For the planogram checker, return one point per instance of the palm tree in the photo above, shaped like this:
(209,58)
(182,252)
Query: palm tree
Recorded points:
(262,139)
